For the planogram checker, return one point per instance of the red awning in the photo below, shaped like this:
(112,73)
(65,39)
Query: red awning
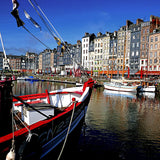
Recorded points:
(157,73)
(111,72)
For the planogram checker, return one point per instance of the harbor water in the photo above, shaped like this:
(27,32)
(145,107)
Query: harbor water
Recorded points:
(118,126)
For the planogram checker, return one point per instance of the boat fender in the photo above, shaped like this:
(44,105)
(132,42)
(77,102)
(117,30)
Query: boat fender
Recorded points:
(11,155)
(30,148)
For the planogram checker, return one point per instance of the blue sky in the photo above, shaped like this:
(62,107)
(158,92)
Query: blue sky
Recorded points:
(71,19)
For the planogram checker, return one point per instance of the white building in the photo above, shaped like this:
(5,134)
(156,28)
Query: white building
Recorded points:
(85,50)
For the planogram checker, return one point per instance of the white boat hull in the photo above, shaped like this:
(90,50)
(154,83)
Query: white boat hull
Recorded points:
(148,89)
(117,87)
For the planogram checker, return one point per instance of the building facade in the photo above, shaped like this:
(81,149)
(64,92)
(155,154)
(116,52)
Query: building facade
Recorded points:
(154,51)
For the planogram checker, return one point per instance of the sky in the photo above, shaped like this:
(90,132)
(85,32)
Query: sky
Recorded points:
(71,18)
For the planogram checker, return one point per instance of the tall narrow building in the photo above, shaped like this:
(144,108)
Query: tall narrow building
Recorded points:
(85,50)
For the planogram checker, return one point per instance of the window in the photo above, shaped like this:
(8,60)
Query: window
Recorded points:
(144,31)
(155,46)
(155,54)
(151,46)
(156,39)
(137,53)
(142,62)
(132,53)
(143,46)
(150,54)
(133,45)
(137,44)
(143,38)
(151,39)
(155,60)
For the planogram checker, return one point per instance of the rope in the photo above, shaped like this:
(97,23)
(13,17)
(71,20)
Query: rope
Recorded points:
(48,21)
(12,129)
(47,26)
(34,36)
(67,131)
(22,123)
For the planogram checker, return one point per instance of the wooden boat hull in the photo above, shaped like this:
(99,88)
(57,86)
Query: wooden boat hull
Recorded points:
(46,134)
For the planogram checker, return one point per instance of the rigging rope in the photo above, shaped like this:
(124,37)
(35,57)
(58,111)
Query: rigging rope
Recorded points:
(47,26)
(48,21)
(35,36)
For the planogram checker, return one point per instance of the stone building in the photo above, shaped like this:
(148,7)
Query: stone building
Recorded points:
(135,47)
(154,51)
(144,45)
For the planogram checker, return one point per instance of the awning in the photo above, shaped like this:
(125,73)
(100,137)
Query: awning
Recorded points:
(111,72)
(151,73)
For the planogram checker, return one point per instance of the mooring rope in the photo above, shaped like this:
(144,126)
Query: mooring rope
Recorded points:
(67,131)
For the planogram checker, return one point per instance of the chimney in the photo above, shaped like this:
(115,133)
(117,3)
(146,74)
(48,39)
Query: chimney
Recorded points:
(128,23)
(115,33)
(139,21)
(78,42)
(99,34)
(86,34)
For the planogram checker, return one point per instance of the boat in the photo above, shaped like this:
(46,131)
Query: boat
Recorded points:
(119,87)
(147,89)
(131,95)
(31,78)
(37,124)
(150,95)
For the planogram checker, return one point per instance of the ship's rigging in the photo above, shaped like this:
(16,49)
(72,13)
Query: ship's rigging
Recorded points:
(47,23)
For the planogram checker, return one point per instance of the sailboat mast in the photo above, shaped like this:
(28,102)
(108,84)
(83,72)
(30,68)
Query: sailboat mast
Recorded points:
(112,60)
(124,56)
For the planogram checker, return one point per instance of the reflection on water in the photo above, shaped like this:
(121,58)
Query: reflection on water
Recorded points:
(123,126)
(118,125)
(22,87)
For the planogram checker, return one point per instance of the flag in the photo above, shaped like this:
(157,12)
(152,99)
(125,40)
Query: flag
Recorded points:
(128,72)
(141,73)
(15,4)
(16,14)
(32,20)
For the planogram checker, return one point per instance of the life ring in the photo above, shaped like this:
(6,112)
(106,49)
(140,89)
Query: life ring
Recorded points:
(30,150)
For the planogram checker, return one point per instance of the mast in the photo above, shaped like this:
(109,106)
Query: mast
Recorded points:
(112,59)
(124,56)
(3,47)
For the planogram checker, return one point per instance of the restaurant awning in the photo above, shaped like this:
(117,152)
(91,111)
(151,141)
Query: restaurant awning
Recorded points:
(111,72)
(151,73)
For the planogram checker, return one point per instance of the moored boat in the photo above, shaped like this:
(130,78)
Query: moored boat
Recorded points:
(119,87)
(40,122)
(148,89)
